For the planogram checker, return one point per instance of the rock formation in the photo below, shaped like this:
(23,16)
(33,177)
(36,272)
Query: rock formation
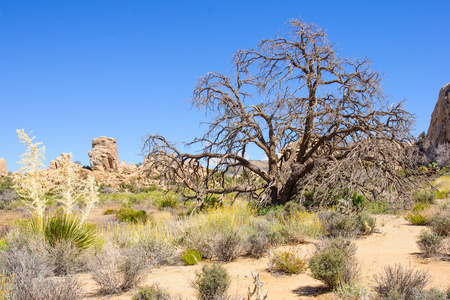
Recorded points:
(3,169)
(104,155)
(439,130)
(56,164)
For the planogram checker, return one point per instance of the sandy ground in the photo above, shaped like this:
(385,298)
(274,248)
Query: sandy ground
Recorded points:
(394,242)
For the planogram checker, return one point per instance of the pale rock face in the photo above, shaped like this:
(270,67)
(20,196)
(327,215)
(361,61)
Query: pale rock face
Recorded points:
(439,130)
(56,164)
(3,169)
(104,155)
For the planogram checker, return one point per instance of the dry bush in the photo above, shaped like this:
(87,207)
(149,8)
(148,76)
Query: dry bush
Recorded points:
(397,282)
(66,258)
(440,224)
(430,243)
(116,271)
(288,262)
(212,283)
(228,245)
(27,261)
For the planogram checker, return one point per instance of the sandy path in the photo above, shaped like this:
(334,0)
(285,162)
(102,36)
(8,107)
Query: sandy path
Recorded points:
(394,243)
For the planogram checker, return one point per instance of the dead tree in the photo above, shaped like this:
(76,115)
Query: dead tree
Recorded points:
(322,121)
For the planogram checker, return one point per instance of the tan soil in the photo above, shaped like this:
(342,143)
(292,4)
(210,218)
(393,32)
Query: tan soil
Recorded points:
(394,242)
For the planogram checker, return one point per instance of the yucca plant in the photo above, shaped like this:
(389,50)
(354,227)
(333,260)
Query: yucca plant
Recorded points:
(58,227)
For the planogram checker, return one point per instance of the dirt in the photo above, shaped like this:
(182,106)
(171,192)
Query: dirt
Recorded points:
(393,242)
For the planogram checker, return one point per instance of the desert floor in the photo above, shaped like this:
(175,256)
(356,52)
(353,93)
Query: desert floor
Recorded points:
(393,242)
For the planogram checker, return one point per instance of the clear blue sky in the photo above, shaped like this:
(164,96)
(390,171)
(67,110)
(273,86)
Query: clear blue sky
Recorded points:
(75,70)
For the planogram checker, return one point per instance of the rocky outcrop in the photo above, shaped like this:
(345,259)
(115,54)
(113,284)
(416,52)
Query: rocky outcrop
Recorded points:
(104,155)
(3,169)
(56,163)
(439,130)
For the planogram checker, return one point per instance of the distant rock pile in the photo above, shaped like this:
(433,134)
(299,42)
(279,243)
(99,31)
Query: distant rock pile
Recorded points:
(104,155)
(439,130)
(56,163)
(3,169)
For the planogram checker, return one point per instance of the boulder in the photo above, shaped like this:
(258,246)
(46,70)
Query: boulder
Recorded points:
(439,130)
(104,155)
(56,163)
(3,169)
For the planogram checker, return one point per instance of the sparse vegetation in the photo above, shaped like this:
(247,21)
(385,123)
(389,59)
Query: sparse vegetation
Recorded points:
(430,243)
(287,262)
(397,282)
(334,263)
(212,283)
(191,257)
(130,215)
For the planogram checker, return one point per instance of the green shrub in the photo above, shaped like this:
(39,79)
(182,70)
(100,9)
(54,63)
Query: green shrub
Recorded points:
(212,283)
(423,196)
(263,210)
(378,207)
(191,257)
(167,201)
(416,218)
(431,294)
(6,184)
(421,206)
(399,283)
(334,263)
(109,212)
(154,292)
(130,215)
(430,243)
(287,262)
(440,224)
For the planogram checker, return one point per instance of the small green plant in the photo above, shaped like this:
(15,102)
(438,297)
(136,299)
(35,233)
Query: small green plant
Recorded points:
(130,215)
(167,201)
(191,257)
(430,243)
(416,218)
(287,262)
(212,282)
(109,212)
(153,292)
(378,207)
(421,206)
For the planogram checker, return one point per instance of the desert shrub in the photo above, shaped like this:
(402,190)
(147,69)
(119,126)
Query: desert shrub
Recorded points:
(421,206)
(258,244)
(109,212)
(378,207)
(107,190)
(117,271)
(227,245)
(154,292)
(416,218)
(292,207)
(431,294)
(424,196)
(264,210)
(287,262)
(297,226)
(337,224)
(351,291)
(6,198)
(65,258)
(130,215)
(212,282)
(167,201)
(334,263)
(191,257)
(399,283)
(429,243)
(440,224)
(365,223)
(26,260)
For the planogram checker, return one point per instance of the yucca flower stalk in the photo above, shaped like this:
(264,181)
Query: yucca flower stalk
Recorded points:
(91,196)
(31,182)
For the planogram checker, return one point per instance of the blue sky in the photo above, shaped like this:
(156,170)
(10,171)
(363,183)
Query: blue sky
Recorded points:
(75,70)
